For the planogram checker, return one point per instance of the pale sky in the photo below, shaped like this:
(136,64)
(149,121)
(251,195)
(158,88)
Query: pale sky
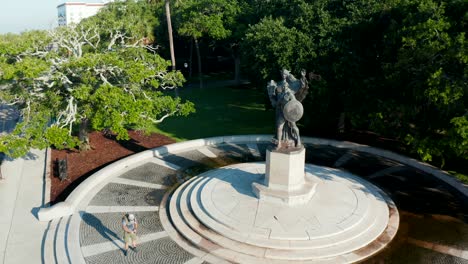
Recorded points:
(17,16)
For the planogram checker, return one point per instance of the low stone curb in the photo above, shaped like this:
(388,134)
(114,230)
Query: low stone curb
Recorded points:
(47,177)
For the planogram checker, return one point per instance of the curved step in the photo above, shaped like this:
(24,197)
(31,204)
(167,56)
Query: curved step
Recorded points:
(49,250)
(214,237)
(61,249)
(321,242)
(225,253)
(298,250)
(199,241)
(171,230)
(197,225)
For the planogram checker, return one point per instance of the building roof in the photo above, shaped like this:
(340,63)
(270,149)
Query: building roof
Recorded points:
(84,2)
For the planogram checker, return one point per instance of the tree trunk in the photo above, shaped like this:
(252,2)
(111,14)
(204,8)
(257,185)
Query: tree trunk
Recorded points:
(191,58)
(237,69)
(342,123)
(169,30)
(83,135)
(171,41)
(197,48)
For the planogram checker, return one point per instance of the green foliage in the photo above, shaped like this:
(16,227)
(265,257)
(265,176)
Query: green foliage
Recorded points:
(115,113)
(135,19)
(14,146)
(60,138)
(272,46)
(34,131)
(431,72)
(398,68)
(460,176)
(107,75)
(212,18)
(14,44)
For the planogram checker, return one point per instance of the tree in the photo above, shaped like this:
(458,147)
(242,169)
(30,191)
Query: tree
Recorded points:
(135,19)
(21,65)
(430,70)
(397,68)
(199,18)
(71,76)
(271,46)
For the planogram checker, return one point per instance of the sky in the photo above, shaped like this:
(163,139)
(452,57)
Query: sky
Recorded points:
(17,16)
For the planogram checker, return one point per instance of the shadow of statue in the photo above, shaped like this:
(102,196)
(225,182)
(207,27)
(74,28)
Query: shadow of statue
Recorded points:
(240,180)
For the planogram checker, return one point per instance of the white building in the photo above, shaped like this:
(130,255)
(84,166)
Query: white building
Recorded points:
(75,11)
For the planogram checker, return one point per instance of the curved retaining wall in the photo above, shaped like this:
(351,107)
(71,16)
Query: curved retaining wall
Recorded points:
(68,207)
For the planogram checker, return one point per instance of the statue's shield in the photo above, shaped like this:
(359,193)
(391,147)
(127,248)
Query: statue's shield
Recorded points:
(293,111)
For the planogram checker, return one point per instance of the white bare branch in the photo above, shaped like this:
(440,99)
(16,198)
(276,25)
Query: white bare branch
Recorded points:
(114,37)
(167,82)
(73,38)
(16,100)
(91,38)
(68,116)
(146,96)
(157,121)
(151,48)
(106,70)
(129,91)
(27,110)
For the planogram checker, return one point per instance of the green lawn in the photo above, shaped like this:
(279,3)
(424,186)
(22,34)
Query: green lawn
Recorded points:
(226,111)
(220,111)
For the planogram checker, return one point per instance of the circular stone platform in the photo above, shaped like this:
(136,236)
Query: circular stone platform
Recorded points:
(346,220)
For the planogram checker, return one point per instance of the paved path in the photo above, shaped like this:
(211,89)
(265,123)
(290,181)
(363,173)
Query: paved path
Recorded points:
(22,192)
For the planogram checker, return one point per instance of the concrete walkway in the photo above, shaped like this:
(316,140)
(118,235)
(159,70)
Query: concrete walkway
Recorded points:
(22,192)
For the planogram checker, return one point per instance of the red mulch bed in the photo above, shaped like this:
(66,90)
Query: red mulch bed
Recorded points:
(106,149)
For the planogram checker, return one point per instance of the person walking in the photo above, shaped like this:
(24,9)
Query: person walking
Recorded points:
(130,226)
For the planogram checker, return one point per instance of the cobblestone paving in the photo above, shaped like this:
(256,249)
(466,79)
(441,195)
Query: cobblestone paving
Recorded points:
(233,153)
(262,149)
(103,227)
(161,251)
(411,189)
(116,194)
(188,159)
(152,173)
(323,155)
(444,230)
(98,228)
(365,164)
(407,253)
(418,192)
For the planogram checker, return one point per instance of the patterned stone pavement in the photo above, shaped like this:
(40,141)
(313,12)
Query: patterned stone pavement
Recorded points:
(418,195)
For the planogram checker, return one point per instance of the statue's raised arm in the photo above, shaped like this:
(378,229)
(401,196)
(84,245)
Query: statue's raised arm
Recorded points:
(271,89)
(301,94)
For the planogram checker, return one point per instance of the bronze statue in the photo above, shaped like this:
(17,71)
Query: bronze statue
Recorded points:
(286,97)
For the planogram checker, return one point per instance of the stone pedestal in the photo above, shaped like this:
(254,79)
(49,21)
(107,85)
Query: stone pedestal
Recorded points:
(285,179)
